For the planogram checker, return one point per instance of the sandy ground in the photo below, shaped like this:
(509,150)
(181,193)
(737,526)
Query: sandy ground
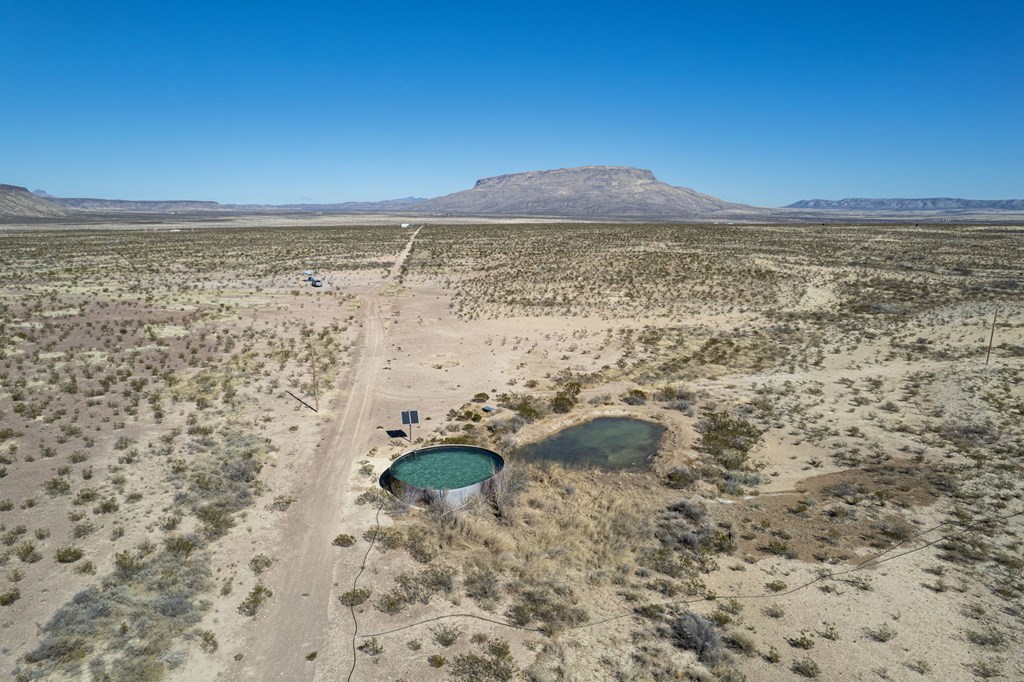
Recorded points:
(411,348)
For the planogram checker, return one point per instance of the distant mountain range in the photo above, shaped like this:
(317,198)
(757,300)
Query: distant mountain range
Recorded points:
(935,204)
(587,192)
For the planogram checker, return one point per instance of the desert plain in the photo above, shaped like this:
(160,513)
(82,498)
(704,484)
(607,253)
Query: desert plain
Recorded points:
(191,438)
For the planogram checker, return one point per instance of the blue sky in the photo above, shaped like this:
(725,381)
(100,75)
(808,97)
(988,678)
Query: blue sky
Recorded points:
(760,102)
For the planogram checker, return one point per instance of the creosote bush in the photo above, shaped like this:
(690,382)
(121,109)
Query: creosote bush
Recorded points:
(355,597)
(69,554)
(343,540)
(252,603)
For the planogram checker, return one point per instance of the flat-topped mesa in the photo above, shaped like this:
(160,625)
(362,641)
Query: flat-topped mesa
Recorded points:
(584,192)
(580,174)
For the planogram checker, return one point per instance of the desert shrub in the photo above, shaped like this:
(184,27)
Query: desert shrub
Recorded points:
(681,405)
(831,632)
(806,667)
(699,635)
(384,537)
(174,604)
(989,637)
(392,602)
(127,564)
(57,485)
(207,641)
(81,530)
(778,547)
(967,436)
(417,587)
(741,642)
(634,397)
(355,597)
(244,469)
(85,495)
(483,585)
(260,563)
(216,520)
(419,545)
(668,393)
(108,505)
(438,579)
(896,528)
(372,647)
(883,633)
(529,407)
(566,398)
(182,545)
(727,439)
(804,641)
(281,503)
(69,554)
(680,477)
(688,509)
(252,603)
(495,666)
(436,661)
(27,552)
(446,635)
(344,540)
(552,605)
(10,596)
(13,535)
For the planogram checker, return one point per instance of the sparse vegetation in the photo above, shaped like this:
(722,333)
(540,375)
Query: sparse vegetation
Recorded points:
(842,362)
(344,540)
(252,603)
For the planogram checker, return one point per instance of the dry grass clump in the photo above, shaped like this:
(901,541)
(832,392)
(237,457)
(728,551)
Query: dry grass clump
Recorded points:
(552,546)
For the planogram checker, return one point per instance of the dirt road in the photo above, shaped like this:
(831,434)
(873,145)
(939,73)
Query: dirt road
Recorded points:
(296,621)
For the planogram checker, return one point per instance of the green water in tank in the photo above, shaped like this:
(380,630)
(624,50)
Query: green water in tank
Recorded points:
(445,468)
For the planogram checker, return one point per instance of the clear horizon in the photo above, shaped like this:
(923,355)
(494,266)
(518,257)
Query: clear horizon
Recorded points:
(755,103)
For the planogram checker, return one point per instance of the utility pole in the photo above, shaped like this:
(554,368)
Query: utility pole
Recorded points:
(312,360)
(991,336)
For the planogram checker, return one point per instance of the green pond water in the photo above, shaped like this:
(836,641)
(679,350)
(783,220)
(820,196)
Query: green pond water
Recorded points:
(614,443)
(444,468)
